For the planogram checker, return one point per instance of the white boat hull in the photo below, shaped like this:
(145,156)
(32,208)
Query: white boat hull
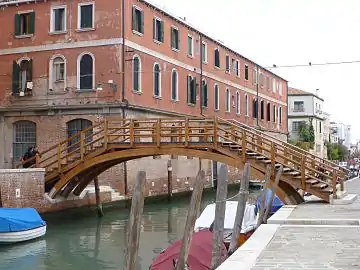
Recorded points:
(15,237)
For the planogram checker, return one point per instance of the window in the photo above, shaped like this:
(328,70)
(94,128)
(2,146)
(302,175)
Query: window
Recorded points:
(280,89)
(74,127)
(261,80)
(227,100)
(268,112)
(277,87)
(274,85)
(86,16)
(255,76)
(190,46)
(137,20)
(216,97)
(158,30)
(174,85)
(296,125)
(246,105)
(298,106)
(24,136)
(246,72)
(235,66)
(157,80)
(320,127)
(191,90)
(86,78)
(280,115)
(204,52)
(136,72)
(267,82)
(204,96)
(25,24)
(274,114)
(217,58)
(255,108)
(175,38)
(262,110)
(237,103)
(227,64)
(22,76)
(58,69)
(58,19)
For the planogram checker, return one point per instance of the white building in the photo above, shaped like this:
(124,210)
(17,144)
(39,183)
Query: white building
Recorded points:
(341,133)
(306,107)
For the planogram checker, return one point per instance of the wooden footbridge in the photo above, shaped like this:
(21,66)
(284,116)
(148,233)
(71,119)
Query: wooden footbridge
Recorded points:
(73,163)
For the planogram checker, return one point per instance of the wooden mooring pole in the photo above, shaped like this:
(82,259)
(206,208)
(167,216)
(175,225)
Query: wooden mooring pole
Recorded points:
(97,197)
(242,199)
(134,225)
(194,208)
(169,185)
(261,211)
(273,190)
(218,233)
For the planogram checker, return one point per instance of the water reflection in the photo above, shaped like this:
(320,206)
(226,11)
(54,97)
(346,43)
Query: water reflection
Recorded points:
(80,242)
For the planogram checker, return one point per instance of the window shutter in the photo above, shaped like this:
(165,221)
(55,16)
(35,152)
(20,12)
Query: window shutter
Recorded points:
(32,23)
(15,78)
(154,29)
(172,37)
(188,88)
(194,91)
(134,18)
(162,32)
(17,25)
(30,71)
(178,40)
(142,22)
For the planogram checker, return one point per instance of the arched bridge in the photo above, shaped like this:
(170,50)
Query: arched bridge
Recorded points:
(73,163)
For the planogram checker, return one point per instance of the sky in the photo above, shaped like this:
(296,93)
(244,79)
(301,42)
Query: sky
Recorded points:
(290,32)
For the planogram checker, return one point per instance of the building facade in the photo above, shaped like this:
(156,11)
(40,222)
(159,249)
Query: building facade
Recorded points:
(341,133)
(306,107)
(65,65)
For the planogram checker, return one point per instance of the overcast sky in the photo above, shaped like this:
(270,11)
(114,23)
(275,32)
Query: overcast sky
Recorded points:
(291,32)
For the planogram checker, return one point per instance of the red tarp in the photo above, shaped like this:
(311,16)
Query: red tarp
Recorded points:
(199,255)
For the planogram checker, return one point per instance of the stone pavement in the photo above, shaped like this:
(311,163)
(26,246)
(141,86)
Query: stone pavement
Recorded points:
(310,236)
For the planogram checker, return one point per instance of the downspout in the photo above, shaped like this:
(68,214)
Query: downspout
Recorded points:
(201,77)
(123,77)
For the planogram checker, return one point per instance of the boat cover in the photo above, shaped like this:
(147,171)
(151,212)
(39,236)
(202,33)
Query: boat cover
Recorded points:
(276,205)
(200,253)
(207,217)
(19,219)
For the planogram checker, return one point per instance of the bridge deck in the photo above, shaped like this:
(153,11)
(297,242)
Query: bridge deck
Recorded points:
(289,246)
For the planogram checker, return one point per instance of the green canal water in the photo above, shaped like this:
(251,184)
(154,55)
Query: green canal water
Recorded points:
(78,240)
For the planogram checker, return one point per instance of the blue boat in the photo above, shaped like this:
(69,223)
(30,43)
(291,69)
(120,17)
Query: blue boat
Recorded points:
(20,224)
(276,205)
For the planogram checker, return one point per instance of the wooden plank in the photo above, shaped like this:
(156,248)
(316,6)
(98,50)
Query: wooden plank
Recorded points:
(133,236)
(273,189)
(190,220)
(268,174)
(218,234)
(242,199)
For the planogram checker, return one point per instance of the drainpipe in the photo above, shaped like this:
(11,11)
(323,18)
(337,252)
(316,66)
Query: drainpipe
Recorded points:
(257,96)
(201,76)
(123,114)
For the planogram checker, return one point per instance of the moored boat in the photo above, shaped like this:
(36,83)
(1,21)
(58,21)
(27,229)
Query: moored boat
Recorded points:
(20,224)
(275,206)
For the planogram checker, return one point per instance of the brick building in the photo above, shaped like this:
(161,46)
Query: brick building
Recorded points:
(65,65)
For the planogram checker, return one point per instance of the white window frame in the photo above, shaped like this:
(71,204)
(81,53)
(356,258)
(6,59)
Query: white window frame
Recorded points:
(246,105)
(173,27)
(228,56)
(238,103)
(79,16)
(51,70)
(192,46)
(246,66)
(78,69)
(52,19)
(160,90)
(237,61)
(177,85)
(205,61)
(217,105)
(156,40)
(140,74)
(274,85)
(227,100)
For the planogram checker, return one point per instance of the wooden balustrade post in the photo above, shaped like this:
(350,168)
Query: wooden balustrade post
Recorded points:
(259,142)
(232,132)
(82,145)
(187,137)
(285,156)
(106,138)
(334,180)
(132,133)
(37,161)
(243,145)
(158,133)
(302,168)
(273,155)
(216,131)
(342,177)
(313,166)
(59,158)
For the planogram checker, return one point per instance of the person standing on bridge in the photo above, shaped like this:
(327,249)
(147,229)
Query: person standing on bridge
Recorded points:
(30,153)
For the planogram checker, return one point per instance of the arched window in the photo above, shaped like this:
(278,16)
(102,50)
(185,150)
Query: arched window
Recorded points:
(174,85)
(246,105)
(216,97)
(262,110)
(280,115)
(157,80)
(268,112)
(24,136)
(255,108)
(227,100)
(204,95)
(74,127)
(237,103)
(86,78)
(274,114)
(57,73)
(136,74)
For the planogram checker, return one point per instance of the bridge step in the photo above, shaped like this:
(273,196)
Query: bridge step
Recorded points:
(320,185)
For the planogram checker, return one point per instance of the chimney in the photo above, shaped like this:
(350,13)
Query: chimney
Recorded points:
(317,92)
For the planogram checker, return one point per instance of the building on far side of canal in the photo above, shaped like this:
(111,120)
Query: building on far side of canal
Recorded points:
(66,65)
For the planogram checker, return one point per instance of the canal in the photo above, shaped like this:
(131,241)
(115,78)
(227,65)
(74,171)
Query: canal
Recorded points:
(78,240)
